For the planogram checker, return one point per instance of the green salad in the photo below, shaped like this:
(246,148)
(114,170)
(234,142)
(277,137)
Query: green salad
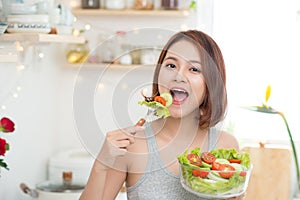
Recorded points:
(159,104)
(218,172)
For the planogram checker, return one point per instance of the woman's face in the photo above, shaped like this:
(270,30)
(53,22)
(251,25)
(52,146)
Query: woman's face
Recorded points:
(181,75)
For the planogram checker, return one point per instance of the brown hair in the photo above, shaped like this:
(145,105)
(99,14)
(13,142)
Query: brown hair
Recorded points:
(214,105)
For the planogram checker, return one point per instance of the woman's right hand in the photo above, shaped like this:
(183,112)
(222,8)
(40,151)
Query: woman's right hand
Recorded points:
(116,143)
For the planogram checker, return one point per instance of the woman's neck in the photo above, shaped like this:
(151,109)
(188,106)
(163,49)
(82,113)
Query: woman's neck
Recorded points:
(175,127)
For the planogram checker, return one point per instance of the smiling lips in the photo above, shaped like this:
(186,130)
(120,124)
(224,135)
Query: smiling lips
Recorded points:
(179,95)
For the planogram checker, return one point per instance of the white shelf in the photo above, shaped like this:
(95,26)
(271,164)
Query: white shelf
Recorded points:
(40,37)
(112,66)
(129,12)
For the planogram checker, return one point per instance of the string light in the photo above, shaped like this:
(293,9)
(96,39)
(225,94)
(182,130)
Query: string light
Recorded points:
(87,27)
(41,54)
(101,86)
(76,32)
(20,67)
(15,95)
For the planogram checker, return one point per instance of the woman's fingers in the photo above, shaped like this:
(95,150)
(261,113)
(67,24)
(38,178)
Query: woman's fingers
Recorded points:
(116,144)
(123,144)
(118,136)
(124,137)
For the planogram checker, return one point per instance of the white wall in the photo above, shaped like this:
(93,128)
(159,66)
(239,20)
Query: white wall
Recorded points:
(260,43)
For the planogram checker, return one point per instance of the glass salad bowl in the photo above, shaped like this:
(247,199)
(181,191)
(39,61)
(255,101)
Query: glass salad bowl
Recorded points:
(211,177)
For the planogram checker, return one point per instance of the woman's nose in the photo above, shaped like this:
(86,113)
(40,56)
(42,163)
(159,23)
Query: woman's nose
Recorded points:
(179,76)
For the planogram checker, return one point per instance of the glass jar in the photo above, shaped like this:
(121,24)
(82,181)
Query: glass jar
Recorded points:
(169,4)
(77,53)
(90,4)
(143,4)
(115,4)
(122,48)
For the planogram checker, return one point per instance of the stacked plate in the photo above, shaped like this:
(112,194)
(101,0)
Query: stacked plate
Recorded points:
(23,19)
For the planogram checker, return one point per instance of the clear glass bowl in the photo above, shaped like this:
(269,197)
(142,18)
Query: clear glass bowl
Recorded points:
(213,186)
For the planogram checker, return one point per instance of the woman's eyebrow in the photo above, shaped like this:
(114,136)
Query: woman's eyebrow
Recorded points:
(170,58)
(175,59)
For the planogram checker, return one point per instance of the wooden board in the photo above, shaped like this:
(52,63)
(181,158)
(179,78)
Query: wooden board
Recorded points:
(271,174)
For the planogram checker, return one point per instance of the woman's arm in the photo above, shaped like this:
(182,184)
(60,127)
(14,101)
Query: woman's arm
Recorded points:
(104,183)
(110,168)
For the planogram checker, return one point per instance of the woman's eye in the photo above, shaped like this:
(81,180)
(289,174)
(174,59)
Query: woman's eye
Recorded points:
(195,69)
(170,65)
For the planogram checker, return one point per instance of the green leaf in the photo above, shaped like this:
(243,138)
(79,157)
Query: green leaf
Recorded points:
(160,110)
(6,146)
(193,5)
(3,164)
(263,109)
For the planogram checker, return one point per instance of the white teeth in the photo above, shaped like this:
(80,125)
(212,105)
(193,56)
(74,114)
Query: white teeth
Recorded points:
(178,90)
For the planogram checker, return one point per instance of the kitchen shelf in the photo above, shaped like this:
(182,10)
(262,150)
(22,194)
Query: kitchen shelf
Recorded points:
(40,37)
(8,58)
(112,66)
(130,12)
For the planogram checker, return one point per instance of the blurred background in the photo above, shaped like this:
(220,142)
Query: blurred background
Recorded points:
(66,89)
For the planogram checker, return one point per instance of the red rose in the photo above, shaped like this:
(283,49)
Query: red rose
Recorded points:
(6,125)
(3,146)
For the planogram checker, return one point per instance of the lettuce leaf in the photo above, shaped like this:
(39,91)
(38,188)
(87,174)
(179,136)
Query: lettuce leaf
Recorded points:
(232,154)
(161,111)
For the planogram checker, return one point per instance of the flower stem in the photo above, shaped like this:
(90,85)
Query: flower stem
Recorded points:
(293,148)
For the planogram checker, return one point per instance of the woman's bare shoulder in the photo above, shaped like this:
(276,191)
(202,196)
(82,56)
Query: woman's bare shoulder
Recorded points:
(227,140)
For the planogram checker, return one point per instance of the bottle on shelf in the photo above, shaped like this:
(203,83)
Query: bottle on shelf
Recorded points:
(107,51)
(90,4)
(115,4)
(169,4)
(143,5)
(122,49)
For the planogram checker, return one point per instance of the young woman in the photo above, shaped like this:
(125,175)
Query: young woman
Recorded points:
(192,69)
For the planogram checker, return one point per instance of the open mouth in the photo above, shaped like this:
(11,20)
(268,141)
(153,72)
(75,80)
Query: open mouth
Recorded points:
(179,95)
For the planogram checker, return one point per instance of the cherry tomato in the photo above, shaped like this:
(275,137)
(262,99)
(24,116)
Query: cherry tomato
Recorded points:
(243,173)
(227,170)
(208,157)
(200,173)
(234,161)
(160,100)
(215,166)
(194,159)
